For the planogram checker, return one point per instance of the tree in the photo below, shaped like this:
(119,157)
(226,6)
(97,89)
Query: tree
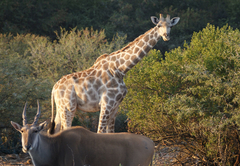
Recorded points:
(190,99)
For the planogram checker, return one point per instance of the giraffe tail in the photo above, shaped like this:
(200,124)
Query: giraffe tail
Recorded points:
(51,130)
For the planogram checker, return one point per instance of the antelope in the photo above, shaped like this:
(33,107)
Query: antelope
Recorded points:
(77,146)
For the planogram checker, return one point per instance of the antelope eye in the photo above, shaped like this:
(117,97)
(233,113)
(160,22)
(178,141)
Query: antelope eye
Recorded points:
(35,131)
(21,131)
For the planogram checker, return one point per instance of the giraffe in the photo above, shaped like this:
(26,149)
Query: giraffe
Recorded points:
(101,87)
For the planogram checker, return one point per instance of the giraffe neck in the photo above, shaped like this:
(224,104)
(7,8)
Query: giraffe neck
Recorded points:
(129,56)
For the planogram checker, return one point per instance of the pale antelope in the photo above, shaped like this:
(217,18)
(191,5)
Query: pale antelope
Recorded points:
(77,146)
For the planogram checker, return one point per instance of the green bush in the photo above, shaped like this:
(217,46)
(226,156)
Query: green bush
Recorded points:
(191,99)
(30,66)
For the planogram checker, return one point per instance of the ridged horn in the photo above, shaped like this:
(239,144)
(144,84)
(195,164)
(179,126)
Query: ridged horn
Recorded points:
(161,17)
(24,117)
(168,18)
(37,115)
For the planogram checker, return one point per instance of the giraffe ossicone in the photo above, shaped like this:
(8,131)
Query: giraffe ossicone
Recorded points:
(101,87)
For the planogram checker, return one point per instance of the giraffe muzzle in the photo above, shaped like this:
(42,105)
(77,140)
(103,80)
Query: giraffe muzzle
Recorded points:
(166,37)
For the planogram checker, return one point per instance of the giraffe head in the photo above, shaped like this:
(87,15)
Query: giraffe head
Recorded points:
(164,25)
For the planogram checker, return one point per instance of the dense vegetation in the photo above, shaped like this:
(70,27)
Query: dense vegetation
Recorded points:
(190,99)
(30,65)
(115,16)
(188,96)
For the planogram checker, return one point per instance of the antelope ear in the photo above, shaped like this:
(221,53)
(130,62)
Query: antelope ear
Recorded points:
(42,125)
(16,126)
(154,20)
(174,21)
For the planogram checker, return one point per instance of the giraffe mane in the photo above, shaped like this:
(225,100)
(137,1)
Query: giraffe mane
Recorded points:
(104,56)
(132,43)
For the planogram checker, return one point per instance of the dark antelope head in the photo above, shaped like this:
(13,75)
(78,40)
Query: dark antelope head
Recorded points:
(29,132)
(165,25)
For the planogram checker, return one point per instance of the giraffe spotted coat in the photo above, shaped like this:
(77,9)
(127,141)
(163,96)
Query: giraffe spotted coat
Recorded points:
(101,87)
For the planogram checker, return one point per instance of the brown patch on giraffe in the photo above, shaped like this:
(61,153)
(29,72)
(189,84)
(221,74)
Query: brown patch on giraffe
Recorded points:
(133,57)
(119,55)
(141,44)
(56,86)
(152,42)
(152,32)
(127,69)
(129,64)
(89,70)
(130,51)
(104,61)
(105,77)
(84,74)
(117,63)
(93,96)
(104,56)
(79,74)
(147,48)
(135,61)
(113,58)
(86,85)
(62,93)
(111,93)
(104,121)
(105,98)
(136,49)
(142,54)
(122,61)
(62,87)
(112,83)
(146,38)
(63,80)
(105,66)
(99,73)
(90,92)
(76,80)
(156,35)
(111,102)
(85,98)
(98,66)
(97,84)
(93,73)
(91,80)
(69,76)
(127,56)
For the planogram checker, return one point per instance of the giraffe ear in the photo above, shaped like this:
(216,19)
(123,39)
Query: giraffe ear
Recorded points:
(154,20)
(174,21)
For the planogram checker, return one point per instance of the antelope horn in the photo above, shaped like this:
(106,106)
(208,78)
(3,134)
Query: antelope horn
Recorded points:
(161,17)
(24,115)
(37,115)
(168,18)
